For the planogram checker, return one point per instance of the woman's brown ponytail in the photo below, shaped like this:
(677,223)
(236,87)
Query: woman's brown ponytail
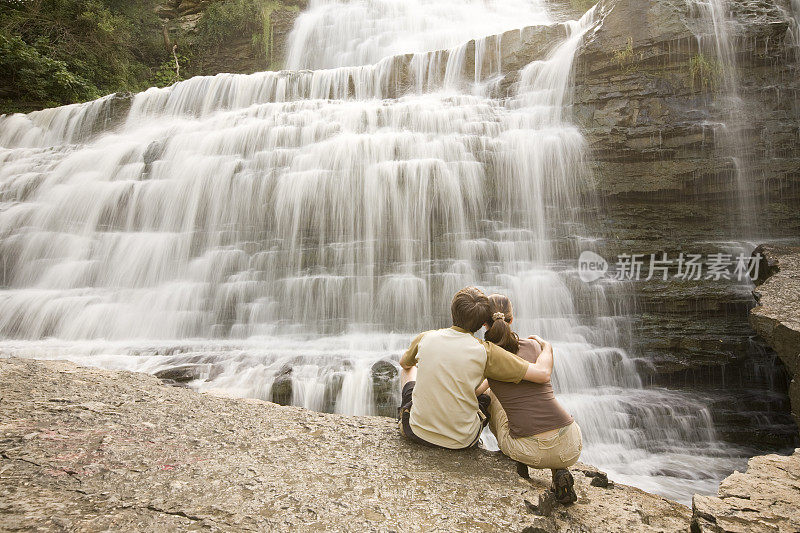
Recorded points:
(498,330)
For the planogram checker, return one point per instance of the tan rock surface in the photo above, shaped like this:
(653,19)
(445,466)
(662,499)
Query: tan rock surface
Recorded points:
(85,449)
(766,498)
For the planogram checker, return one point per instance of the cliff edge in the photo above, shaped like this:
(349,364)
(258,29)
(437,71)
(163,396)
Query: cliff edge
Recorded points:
(777,316)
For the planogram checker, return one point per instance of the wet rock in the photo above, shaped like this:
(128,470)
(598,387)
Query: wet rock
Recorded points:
(118,108)
(113,113)
(598,477)
(155,458)
(660,163)
(765,498)
(181,374)
(282,387)
(153,152)
(333,389)
(385,388)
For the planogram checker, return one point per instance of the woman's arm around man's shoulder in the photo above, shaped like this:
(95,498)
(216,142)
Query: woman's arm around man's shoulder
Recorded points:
(540,371)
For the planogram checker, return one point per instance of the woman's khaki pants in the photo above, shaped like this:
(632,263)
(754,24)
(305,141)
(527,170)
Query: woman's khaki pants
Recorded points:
(561,450)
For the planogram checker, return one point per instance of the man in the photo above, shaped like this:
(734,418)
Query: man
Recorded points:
(443,368)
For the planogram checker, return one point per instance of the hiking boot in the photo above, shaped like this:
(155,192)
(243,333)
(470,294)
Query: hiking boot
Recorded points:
(563,487)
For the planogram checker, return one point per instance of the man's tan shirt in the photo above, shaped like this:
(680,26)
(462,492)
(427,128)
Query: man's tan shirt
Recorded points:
(451,364)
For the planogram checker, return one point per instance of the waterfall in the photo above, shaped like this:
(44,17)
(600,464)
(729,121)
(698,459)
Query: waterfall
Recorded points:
(283,234)
(341,34)
(716,59)
(795,31)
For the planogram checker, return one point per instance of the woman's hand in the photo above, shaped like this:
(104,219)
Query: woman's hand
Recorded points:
(543,343)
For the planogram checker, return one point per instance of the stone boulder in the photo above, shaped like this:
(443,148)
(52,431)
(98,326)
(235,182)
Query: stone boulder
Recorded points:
(385,388)
(764,499)
(282,387)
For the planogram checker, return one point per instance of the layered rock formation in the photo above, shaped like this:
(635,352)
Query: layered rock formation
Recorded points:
(777,316)
(654,129)
(92,450)
(659,128)
(764,499)
(649,111)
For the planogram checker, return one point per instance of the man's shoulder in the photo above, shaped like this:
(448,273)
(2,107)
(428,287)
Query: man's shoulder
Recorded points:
(449,336)
(419,336)
(434,332)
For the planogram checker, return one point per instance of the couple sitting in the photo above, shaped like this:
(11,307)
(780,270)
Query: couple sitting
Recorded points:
(446,400)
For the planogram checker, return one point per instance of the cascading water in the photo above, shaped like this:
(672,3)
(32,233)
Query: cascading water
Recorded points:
(717,62)
(334,34)
(283,233)
(795,31)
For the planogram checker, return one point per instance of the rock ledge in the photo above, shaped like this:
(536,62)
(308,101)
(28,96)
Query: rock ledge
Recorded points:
(86,449)
(765,499)
(777,316)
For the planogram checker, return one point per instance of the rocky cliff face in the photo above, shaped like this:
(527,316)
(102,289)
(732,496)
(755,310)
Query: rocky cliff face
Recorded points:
(659,125)
(777,316)
(92,450)
(649,109)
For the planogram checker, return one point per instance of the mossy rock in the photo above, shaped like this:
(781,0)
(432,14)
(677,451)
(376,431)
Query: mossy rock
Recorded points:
(282,387)
(385,388)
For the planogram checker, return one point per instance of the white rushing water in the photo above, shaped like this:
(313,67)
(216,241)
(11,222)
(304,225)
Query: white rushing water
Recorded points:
(298,227)
(341,34)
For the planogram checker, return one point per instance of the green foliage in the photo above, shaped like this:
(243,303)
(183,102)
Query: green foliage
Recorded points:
(704,73)
(626,58)
(29,74)
(229,21)
(63,51)
(224,20)
(167,74)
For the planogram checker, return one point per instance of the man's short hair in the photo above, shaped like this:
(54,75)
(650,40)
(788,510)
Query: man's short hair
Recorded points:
(470,309)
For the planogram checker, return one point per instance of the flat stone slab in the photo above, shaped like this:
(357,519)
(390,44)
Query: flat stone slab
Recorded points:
(85,449)
(766,498)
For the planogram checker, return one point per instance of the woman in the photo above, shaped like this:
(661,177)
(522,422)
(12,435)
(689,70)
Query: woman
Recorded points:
(530,425)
